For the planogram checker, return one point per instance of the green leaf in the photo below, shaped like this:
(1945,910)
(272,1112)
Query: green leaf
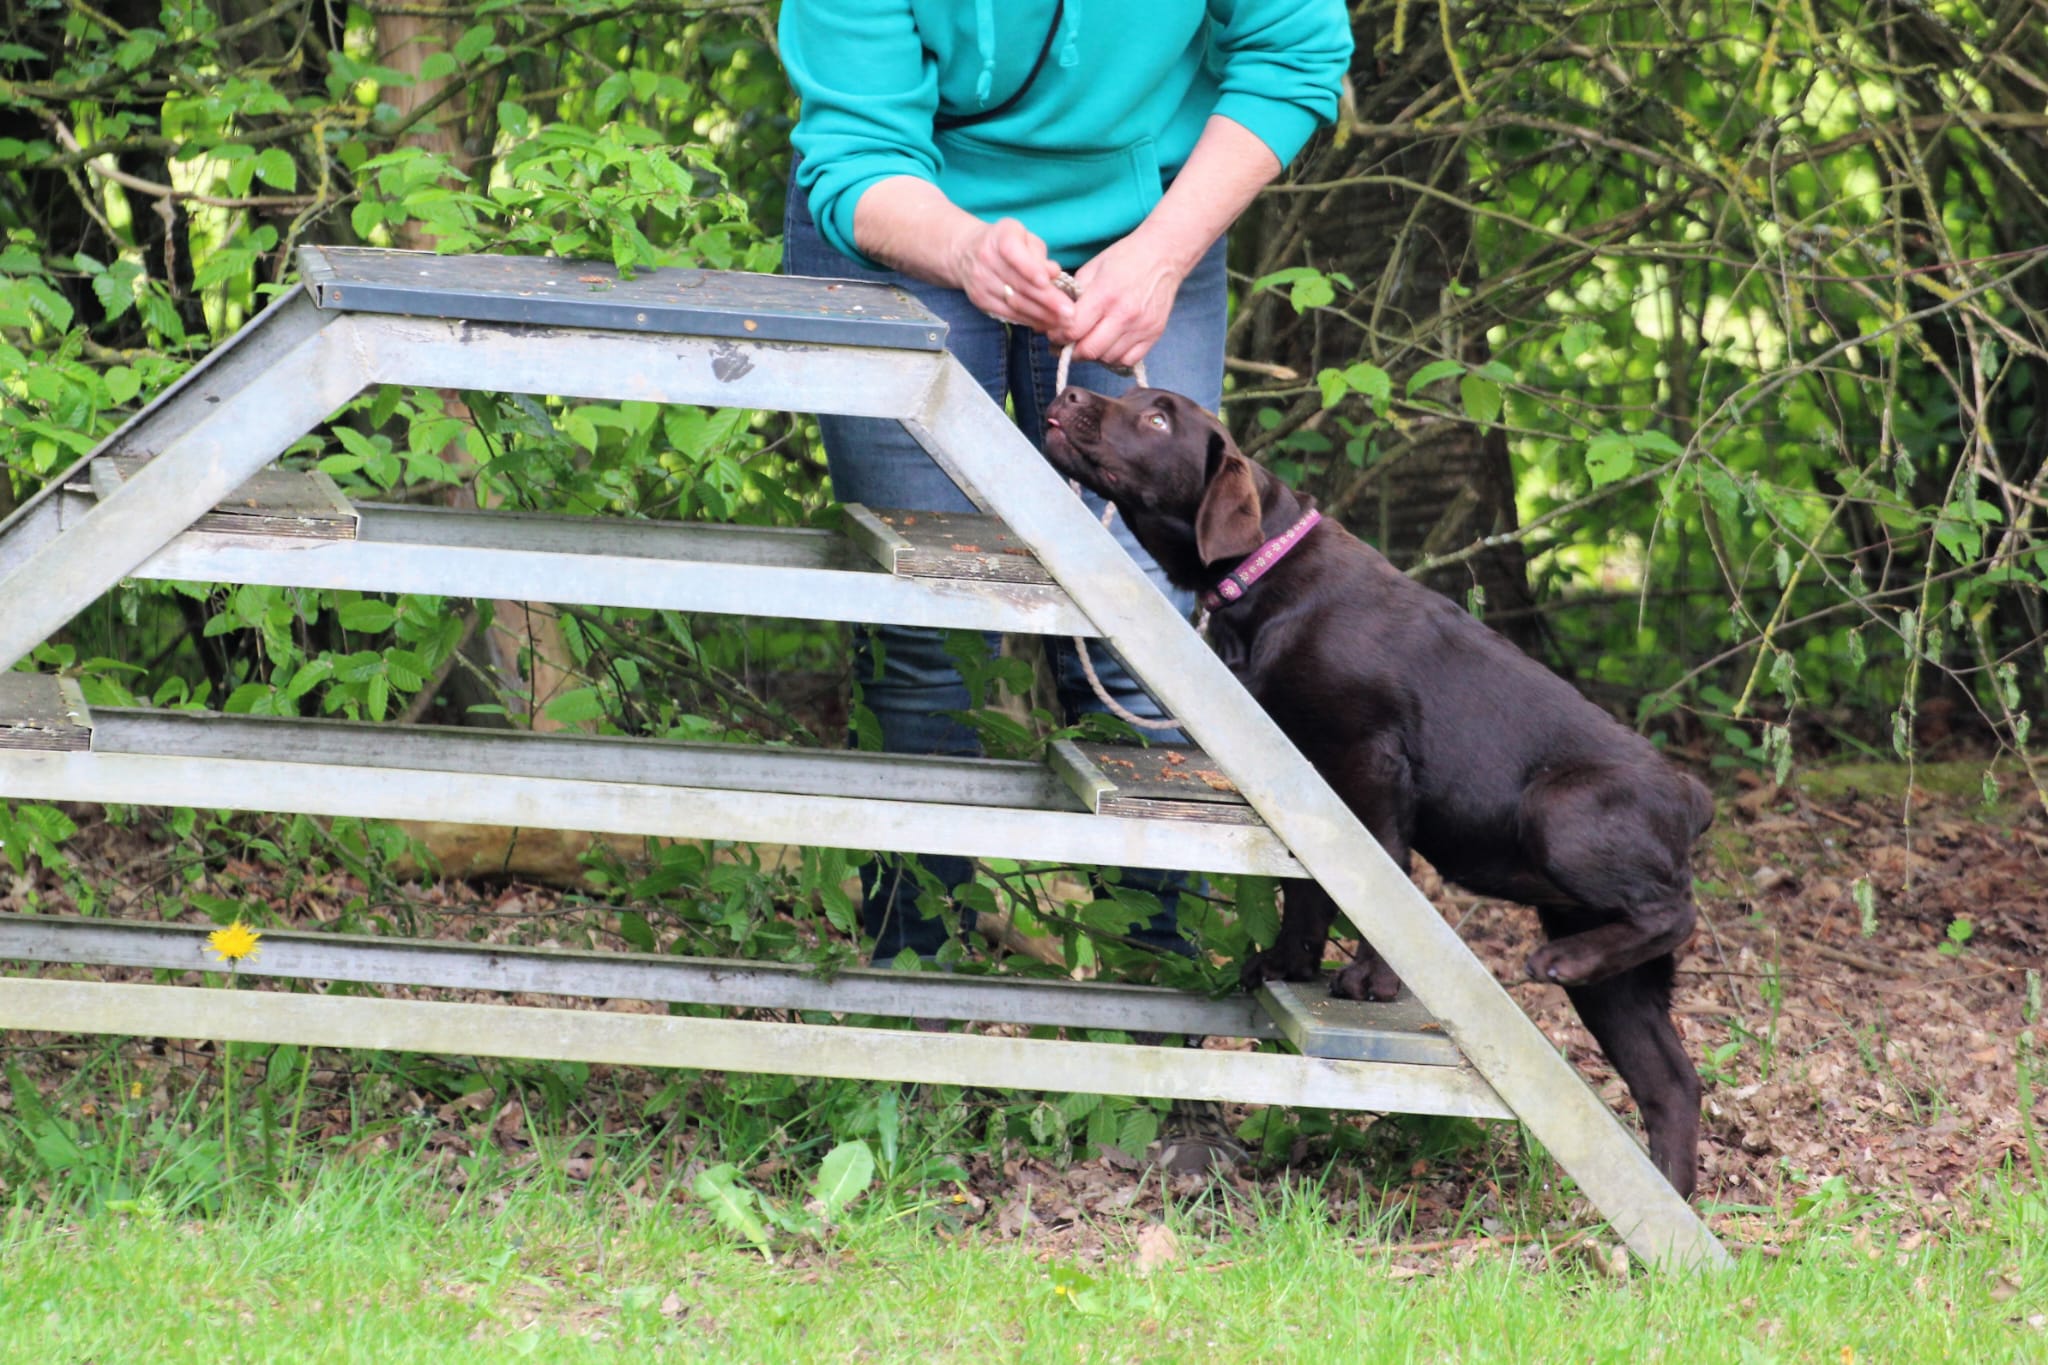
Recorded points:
(733,1205)
(575,707)
(47,822)
(121,384)
(473,41)
(116,292)
(1258,909)
(1314,292)
(1656,442)
(1433,371)
(1482,399)
(1610,456)
(847,1172)
(367,616)
(612,93)
(274,166)
(1372,381)
(634,928)
(406,668)
(1332,383)
(242,701)
(438,66)
(1306,288)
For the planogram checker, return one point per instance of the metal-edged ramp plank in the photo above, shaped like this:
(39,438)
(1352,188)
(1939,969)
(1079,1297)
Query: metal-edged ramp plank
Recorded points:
(43,711)
(547,291)
(301,955)
(253,1016)
(1320,1025)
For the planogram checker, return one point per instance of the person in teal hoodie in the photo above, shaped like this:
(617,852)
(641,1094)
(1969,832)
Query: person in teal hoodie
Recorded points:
(968,152)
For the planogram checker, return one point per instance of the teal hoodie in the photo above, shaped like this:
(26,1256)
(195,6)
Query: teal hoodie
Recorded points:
(1125,91)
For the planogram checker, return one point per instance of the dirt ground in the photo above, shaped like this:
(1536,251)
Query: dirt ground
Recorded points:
(1861,999)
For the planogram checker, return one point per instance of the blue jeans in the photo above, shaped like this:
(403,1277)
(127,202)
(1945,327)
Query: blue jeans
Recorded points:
(909,681)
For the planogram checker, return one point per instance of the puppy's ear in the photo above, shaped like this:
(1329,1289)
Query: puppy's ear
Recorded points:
(1227,523)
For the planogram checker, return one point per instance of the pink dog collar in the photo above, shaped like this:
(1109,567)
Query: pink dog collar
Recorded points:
(1256,563)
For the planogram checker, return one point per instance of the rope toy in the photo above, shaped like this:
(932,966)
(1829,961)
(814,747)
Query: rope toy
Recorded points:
(1065,283)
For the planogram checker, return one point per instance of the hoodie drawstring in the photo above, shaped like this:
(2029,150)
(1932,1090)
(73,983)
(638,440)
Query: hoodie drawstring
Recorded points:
(985,45)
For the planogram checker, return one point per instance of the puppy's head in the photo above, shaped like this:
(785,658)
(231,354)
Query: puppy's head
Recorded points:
(1169,466)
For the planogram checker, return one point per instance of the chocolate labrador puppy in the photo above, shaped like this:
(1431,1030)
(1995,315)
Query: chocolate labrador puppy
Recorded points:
(1439,734)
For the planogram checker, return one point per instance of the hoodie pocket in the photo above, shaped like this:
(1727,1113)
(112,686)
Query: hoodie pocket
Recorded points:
(1070,198)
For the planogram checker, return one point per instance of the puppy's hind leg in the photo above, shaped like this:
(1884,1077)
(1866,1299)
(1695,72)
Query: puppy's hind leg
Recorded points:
(1625,869)
(1367,977)
(1630,1016)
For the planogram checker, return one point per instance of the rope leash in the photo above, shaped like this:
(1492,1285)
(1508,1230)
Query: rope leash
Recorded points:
(1066,285)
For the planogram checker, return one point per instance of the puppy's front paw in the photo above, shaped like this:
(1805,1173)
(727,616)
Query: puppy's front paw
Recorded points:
(1281,962)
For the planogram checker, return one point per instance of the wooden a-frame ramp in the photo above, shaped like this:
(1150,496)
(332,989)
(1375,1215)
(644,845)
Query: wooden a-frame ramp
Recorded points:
(170,495)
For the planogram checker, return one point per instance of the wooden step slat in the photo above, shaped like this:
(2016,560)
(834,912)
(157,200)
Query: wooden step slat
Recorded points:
(1155,782)
(298,504)
(943,545)
(43,711)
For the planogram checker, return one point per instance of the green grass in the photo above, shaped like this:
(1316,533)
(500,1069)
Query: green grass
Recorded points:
(375,1262)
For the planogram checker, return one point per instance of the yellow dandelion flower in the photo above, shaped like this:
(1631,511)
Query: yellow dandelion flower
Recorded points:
(234,943)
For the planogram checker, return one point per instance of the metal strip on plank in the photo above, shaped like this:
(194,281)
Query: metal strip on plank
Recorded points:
(1080,774)
(975,442)
(873,536)
(640,808)
(1321,1025)
(640,976)
(729,1045)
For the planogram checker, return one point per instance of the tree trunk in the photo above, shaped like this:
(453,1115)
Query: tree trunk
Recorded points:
(523,648)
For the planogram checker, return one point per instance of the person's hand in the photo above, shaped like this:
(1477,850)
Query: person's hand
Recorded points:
(1127,293)
(1005,272)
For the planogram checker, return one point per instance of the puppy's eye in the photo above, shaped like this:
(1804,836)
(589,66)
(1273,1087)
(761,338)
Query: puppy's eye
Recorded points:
(1157,420)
